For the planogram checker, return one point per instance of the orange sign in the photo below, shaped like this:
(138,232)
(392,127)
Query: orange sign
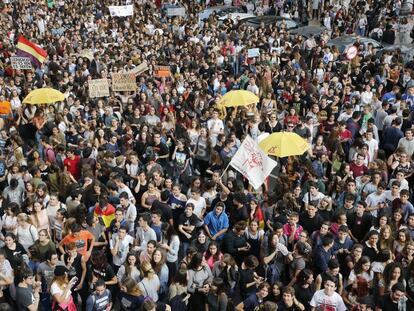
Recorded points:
(5,107)
(162,71)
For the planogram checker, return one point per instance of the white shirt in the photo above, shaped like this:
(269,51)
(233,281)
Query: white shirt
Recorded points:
(9,221)
(123,248)
(27,237)
(403,184)
(199,205)
(56,290)
(367,276)
(318,197)
(372,148)
(253,88)
(344,116)
(334,302)
(144,237)
(215,126)
(373,200)
(128,191)
(366,97)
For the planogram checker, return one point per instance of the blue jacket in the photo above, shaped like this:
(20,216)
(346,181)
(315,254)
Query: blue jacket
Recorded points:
(216,223)
(321,259)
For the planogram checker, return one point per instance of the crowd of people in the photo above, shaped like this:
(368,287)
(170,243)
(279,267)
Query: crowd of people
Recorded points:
(127,202)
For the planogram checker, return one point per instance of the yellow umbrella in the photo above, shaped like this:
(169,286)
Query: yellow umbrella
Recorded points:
(44,96)
(238,98)
(284,144)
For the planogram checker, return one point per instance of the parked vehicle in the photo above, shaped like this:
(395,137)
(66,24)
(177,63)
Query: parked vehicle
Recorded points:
(221,10)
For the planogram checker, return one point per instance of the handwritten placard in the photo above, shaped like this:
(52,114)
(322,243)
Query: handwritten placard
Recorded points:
(139,69)
(98,88)
(121,10)
(20,62)
(123,82)
(253,52)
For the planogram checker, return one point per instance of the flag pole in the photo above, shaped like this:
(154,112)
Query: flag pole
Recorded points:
(225,170)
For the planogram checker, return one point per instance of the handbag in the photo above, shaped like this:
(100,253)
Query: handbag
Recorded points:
(70,306)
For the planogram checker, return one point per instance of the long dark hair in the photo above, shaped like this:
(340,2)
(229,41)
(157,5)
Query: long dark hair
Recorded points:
(181,277)
(303,276)
(99,260)
(216,256)
(270,245)
(196,261)
(358,266)
(169,232)
(127,266)
(389,269)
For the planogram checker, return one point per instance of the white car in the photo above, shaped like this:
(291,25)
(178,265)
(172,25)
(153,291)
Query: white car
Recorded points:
(221,10)
(236,16)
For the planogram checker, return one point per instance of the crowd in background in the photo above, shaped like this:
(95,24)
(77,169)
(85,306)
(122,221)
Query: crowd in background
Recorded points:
(121,202)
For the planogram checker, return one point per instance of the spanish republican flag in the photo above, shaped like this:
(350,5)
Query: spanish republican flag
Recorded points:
(107,214)
(25,48)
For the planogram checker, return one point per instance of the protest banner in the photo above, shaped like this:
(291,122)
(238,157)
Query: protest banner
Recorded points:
(253,53)
(252,162)
(98,88)
(123,82)
(162,71)
(121,10)
(139,69)
(175,11)
(20,62)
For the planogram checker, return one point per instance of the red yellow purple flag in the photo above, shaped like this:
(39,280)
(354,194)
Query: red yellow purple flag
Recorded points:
(25,48)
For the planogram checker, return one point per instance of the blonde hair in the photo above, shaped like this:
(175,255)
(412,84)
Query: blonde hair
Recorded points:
(22,217)
(328,200)
(147,270)
(61,280)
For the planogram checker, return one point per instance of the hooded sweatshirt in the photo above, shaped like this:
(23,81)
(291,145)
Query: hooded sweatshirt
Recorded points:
(215,222)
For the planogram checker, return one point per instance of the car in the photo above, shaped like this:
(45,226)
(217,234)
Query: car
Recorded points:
(308,31)
(344,42)
(221,10)
(267,20)
(236,16)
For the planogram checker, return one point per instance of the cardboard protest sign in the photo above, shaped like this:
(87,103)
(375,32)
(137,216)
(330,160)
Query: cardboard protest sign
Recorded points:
(123,82)
(86,53)
(98,88)
(121,10)
(253,52)
(162,71)
(20,62)
(139,69)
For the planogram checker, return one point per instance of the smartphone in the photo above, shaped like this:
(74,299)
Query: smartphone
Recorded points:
(75,279)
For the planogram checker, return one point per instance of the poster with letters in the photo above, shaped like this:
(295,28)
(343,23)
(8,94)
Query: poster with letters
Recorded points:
(20,62)
(98,88)
(253,53)
(121,10)
(123,82)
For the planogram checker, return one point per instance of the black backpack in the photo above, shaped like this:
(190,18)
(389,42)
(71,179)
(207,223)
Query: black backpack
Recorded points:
(177,303)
